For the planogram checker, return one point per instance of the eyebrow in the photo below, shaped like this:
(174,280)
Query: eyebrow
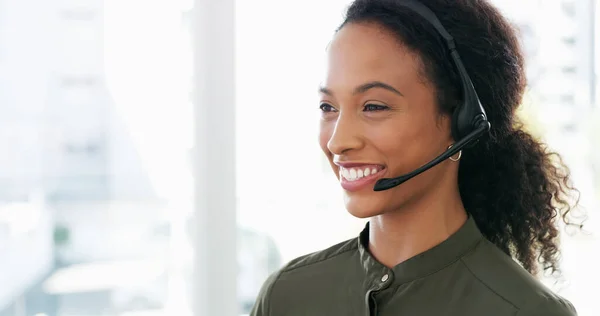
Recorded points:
(366,87)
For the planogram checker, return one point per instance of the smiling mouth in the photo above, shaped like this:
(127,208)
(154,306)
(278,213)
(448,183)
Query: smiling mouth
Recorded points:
(358,173)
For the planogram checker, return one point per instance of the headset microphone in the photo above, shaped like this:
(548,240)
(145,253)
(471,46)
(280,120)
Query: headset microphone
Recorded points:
(469,121)
(384,184)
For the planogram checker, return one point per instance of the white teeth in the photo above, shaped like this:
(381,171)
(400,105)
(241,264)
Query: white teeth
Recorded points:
(354,174)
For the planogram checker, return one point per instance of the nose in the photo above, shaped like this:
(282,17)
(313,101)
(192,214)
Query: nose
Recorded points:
(346,135)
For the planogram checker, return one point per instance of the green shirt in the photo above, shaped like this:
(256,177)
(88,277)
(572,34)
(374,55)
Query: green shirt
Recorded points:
(466,275)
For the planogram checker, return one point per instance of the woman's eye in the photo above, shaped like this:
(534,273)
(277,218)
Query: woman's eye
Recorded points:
(326,107)
(375,107)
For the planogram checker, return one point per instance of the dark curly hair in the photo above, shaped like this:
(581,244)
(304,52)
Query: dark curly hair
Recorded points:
(513,186)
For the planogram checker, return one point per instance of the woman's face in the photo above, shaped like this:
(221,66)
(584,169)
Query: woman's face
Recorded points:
(380,120)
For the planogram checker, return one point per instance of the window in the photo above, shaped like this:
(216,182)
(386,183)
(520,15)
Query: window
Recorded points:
(95,186)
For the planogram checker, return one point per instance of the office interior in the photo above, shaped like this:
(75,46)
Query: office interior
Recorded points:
(154,149)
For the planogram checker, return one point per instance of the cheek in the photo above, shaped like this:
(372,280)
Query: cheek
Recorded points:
(392,136)
(402,143)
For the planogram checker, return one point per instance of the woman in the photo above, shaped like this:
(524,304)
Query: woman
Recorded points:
(463,237)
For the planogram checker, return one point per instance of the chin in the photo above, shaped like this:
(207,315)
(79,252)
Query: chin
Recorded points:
(369,204)
(364,206)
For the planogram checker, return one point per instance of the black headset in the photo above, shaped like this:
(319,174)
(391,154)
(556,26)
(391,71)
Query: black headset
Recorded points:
(469,121)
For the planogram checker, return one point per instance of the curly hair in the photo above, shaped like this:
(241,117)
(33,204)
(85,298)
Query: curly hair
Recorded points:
(514,187)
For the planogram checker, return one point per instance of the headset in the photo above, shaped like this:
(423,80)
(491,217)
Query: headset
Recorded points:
(469,121)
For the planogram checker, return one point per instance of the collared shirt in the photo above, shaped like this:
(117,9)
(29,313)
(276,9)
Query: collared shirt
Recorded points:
(466,275)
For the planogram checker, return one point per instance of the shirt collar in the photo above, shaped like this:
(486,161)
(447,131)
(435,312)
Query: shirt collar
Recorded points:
(428,262)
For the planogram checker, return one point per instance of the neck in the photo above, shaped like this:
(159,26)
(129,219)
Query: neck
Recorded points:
(398,236)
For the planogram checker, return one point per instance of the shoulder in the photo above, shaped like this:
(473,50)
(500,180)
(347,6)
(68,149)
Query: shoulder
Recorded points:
(506,279)
(262,305)
(294,273)
(549,306)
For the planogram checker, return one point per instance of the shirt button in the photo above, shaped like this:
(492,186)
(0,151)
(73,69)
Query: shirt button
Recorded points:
(385,277)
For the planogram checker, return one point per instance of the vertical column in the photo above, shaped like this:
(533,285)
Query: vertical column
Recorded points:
(584,19)
(215,265)
(595,12)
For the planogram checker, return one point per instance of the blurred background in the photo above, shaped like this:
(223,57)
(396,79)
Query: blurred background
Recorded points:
(97,132)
